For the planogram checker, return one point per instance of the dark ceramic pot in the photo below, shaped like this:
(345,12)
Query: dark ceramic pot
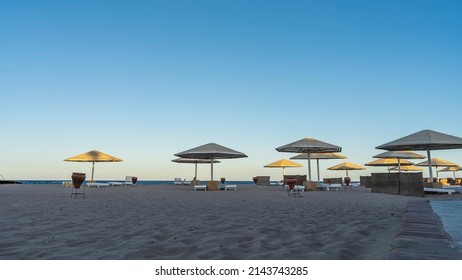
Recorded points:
(77,179)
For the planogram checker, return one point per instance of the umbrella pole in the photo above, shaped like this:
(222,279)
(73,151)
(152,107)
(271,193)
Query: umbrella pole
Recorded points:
(309,167)
(430,165)
(211,169)
(399,165)
(92,171)
(317,162)
(283,173)
(195,173)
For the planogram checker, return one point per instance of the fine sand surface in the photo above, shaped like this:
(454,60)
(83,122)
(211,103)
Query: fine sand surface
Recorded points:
(174,222)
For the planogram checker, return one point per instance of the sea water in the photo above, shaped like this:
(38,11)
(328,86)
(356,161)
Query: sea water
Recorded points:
(139,182)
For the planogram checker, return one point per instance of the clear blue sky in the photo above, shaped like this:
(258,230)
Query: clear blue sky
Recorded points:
(143,80)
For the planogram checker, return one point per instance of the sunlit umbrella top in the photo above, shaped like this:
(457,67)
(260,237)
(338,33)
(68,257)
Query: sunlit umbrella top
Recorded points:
(346,166)
(407,168)
(451,168)
(399,154)
(389,162)
(319,156)
(209,151)
(284,163)
(437,162)
(309,145)
(93,156)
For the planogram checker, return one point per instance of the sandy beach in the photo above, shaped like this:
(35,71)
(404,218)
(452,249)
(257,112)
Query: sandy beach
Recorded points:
(174,222)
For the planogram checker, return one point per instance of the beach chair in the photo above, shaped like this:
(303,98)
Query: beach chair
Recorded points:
(230,187)
(186,182)
(295,191)
(129,181)
(328,187)
(67,183)
(97,185)
(200,187)
(178,181)
(439,190)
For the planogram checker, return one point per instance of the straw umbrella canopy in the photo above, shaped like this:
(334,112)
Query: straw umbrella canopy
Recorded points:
(451,168)
(283,163)
(424,140)
(195,161)
(389,162)
(211,151)
(309,146)
(399,155)
(93,156)
(346,166)
(437,162)
(407,168)
(319,156)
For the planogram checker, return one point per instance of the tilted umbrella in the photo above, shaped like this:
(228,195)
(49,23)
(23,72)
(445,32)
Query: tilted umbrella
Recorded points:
(93,156)
(309,146)
(389,162)
(346,166)
(283,163)
(437,162)
(211,151)
(195,161)
(399,155)
(424,140)
(319,156)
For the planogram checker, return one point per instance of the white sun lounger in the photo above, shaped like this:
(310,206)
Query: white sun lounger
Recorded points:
(439,190)
(200,187)
(97,185)
(297,190)
(328,187)
(230,187)
(455,188)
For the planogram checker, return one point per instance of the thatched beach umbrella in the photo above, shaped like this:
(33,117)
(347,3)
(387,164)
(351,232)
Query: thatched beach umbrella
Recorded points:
(211,151)
(399,155)
(346,166)
(451,168)
(93,156)
(283,163)
(407,168)
(424,140)
(309,146)
(436,162)
(389,162)
(195,161)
